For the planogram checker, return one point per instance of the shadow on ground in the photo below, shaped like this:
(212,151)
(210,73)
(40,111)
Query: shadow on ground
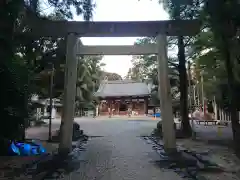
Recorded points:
(217,142)
(186,163)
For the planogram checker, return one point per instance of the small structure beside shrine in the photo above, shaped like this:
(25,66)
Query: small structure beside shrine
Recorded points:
(41,107)
(119,96)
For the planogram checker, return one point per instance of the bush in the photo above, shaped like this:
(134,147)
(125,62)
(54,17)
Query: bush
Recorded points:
(13,105)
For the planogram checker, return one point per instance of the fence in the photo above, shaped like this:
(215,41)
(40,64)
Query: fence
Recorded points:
(224,115)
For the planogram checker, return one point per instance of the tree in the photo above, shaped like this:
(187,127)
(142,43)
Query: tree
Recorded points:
(89,71)
(110,76)
(16,67)
(219,15)
(216,47)
(183,10)
(11,95)
(145,69)
(205,58)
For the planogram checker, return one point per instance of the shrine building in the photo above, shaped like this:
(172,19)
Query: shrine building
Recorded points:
(120,95)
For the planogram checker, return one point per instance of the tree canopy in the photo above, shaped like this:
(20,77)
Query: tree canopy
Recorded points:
(25,63)
(213,55)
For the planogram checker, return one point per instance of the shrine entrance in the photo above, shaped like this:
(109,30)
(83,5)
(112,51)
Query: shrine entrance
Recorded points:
(74,30)
(123,106)
(122,97)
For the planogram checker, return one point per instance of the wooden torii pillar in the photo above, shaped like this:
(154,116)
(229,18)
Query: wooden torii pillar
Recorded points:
(72,30)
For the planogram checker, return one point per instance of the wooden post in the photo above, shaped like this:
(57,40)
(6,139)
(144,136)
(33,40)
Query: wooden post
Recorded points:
(202,89)
(97,110)
(215,109)
(222,115)
(146,105)
(190,99)
(70,78)
(109,101)
(50,102)
(165,96)
(131,105)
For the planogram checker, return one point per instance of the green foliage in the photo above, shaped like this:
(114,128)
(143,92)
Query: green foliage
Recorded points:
(89,71)
(223,19)
(14,98)
(183,10)
(110,76)
(82,7)
(24,61)
(208,50)
(145,69)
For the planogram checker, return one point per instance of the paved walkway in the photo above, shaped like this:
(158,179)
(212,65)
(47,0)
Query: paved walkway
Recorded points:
(116,152)
(40,133)
(121,154)
(120,158)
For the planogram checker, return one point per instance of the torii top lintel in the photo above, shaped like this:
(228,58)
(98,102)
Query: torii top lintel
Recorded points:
(48,28)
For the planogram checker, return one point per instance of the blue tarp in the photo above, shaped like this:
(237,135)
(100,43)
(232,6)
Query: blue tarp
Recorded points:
(157,115)
(26,149)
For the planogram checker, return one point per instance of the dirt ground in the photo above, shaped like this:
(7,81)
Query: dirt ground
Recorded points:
(13,166)
(221,155)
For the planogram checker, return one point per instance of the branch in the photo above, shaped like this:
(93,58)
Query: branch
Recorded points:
(173,64)
(187,42)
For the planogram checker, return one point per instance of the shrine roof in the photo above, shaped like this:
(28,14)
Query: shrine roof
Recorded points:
(122,88)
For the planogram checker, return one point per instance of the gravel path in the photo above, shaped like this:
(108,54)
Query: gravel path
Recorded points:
(116,152)
(120,155)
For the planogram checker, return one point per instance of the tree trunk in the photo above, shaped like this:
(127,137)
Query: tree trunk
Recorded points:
(232,97)
(10,129)
(186,128)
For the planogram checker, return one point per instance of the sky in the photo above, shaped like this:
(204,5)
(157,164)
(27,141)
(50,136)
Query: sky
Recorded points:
(122,10)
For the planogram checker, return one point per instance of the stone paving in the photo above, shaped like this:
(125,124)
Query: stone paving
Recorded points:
(120,158)
(115,151)
(119,153)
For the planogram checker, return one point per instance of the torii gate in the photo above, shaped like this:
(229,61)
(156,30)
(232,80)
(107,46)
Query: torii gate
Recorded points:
(73,30)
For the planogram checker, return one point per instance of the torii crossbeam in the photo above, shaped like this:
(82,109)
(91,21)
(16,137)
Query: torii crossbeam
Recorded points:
(47,28)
